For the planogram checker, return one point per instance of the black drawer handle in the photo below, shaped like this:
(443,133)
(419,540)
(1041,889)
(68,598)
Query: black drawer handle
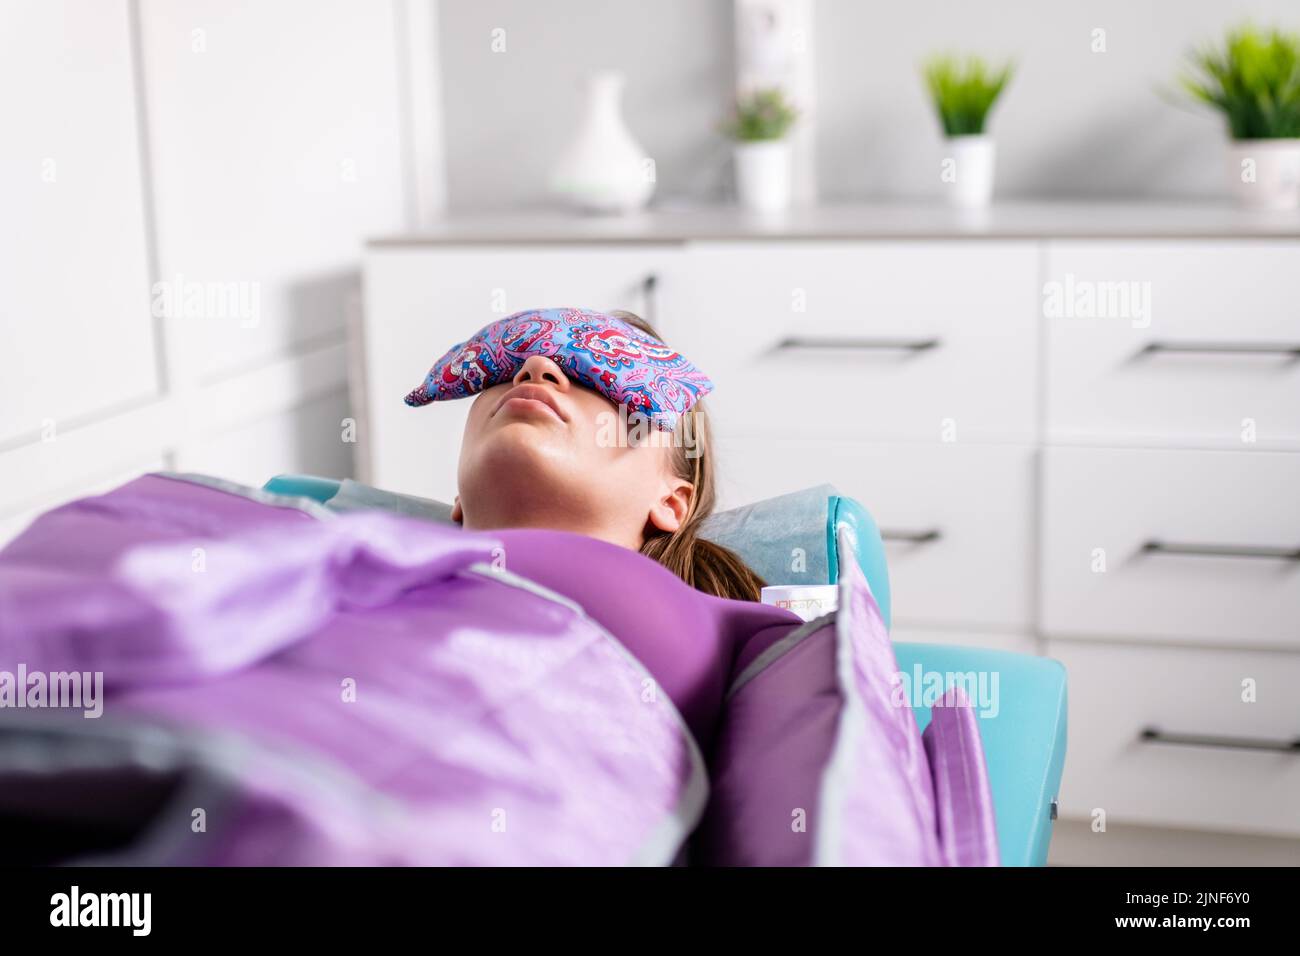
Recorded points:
(853,343)
(911,537)
(1156,736)
(1222,551)
(1222,348)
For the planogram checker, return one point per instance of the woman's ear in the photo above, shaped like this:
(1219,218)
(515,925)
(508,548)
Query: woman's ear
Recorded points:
(457,515)
(668,513)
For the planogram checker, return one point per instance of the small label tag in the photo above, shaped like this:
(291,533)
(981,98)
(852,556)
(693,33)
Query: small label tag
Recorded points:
(807,601)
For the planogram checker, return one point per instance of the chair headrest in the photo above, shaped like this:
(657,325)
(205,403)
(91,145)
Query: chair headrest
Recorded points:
(783,538)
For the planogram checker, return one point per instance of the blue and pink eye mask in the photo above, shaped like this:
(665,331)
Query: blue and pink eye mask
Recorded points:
(597,351)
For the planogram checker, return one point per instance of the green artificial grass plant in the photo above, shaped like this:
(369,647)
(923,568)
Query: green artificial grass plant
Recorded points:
(964,91)
(1254,80)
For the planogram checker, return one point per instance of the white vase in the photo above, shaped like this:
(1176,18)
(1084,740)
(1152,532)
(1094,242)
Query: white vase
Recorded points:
(763,174)
(604,169)
(969,179)
(1265,173)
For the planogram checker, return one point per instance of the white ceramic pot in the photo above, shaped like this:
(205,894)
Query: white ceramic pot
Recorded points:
(763,174)
(604,169)
(967,171)
(1265,173)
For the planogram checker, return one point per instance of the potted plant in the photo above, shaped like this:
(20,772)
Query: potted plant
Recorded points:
(1254,80)
(762,152)
(964,92)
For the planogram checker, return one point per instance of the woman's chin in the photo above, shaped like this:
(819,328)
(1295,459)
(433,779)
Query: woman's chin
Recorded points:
(521,451)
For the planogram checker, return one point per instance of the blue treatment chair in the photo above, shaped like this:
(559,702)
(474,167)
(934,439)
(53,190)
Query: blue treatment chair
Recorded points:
(1024,740)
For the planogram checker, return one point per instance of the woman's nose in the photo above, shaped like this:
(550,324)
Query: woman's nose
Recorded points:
(541,371)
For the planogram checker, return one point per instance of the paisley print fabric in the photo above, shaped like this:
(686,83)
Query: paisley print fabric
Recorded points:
(595,350)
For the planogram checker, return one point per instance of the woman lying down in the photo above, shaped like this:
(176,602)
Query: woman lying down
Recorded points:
(568,674)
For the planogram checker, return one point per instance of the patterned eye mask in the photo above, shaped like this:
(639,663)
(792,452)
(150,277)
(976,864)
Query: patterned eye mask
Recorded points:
(598,351)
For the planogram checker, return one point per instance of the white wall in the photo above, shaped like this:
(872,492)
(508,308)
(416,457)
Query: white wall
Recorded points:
(1073,122)
(246,147)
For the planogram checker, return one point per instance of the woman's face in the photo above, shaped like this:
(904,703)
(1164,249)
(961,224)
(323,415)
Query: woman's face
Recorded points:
(541,452)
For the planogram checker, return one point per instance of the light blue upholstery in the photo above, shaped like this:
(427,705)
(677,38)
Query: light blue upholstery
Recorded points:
(1024,738)
(303,486)
(1024,741)
(871,549)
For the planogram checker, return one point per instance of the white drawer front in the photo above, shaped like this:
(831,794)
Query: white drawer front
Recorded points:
(966,636)
(1207,351)
(1179,546)
(916,341)
(968,509)
(419,302)
(1118,692)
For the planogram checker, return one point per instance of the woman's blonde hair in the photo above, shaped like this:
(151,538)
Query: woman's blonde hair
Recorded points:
(701,563)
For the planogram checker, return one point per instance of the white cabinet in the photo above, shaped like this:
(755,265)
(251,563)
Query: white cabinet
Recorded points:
(1170,528)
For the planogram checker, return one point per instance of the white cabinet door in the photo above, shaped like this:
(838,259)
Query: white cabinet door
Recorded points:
(1181,737)
(77,337)
(1176,546)
(908,340)
(957,519)
(1189,343)
(422,300)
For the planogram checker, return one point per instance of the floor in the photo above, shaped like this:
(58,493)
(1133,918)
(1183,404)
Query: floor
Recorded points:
(1074,844)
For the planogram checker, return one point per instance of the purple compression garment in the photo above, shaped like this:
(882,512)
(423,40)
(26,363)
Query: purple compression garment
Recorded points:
(224,629)
(690,644)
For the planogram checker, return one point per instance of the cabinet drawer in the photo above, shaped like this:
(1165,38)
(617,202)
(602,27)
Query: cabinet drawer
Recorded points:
(956,518)
(1219,761)
(1206,353)
(1179,546)
(912,341)
(966,636)
(421,301)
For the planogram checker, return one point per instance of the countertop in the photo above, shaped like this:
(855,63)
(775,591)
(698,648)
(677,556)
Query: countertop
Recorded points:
(1004,220)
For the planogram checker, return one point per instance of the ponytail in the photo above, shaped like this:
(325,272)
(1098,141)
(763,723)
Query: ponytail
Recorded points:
(704,565)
